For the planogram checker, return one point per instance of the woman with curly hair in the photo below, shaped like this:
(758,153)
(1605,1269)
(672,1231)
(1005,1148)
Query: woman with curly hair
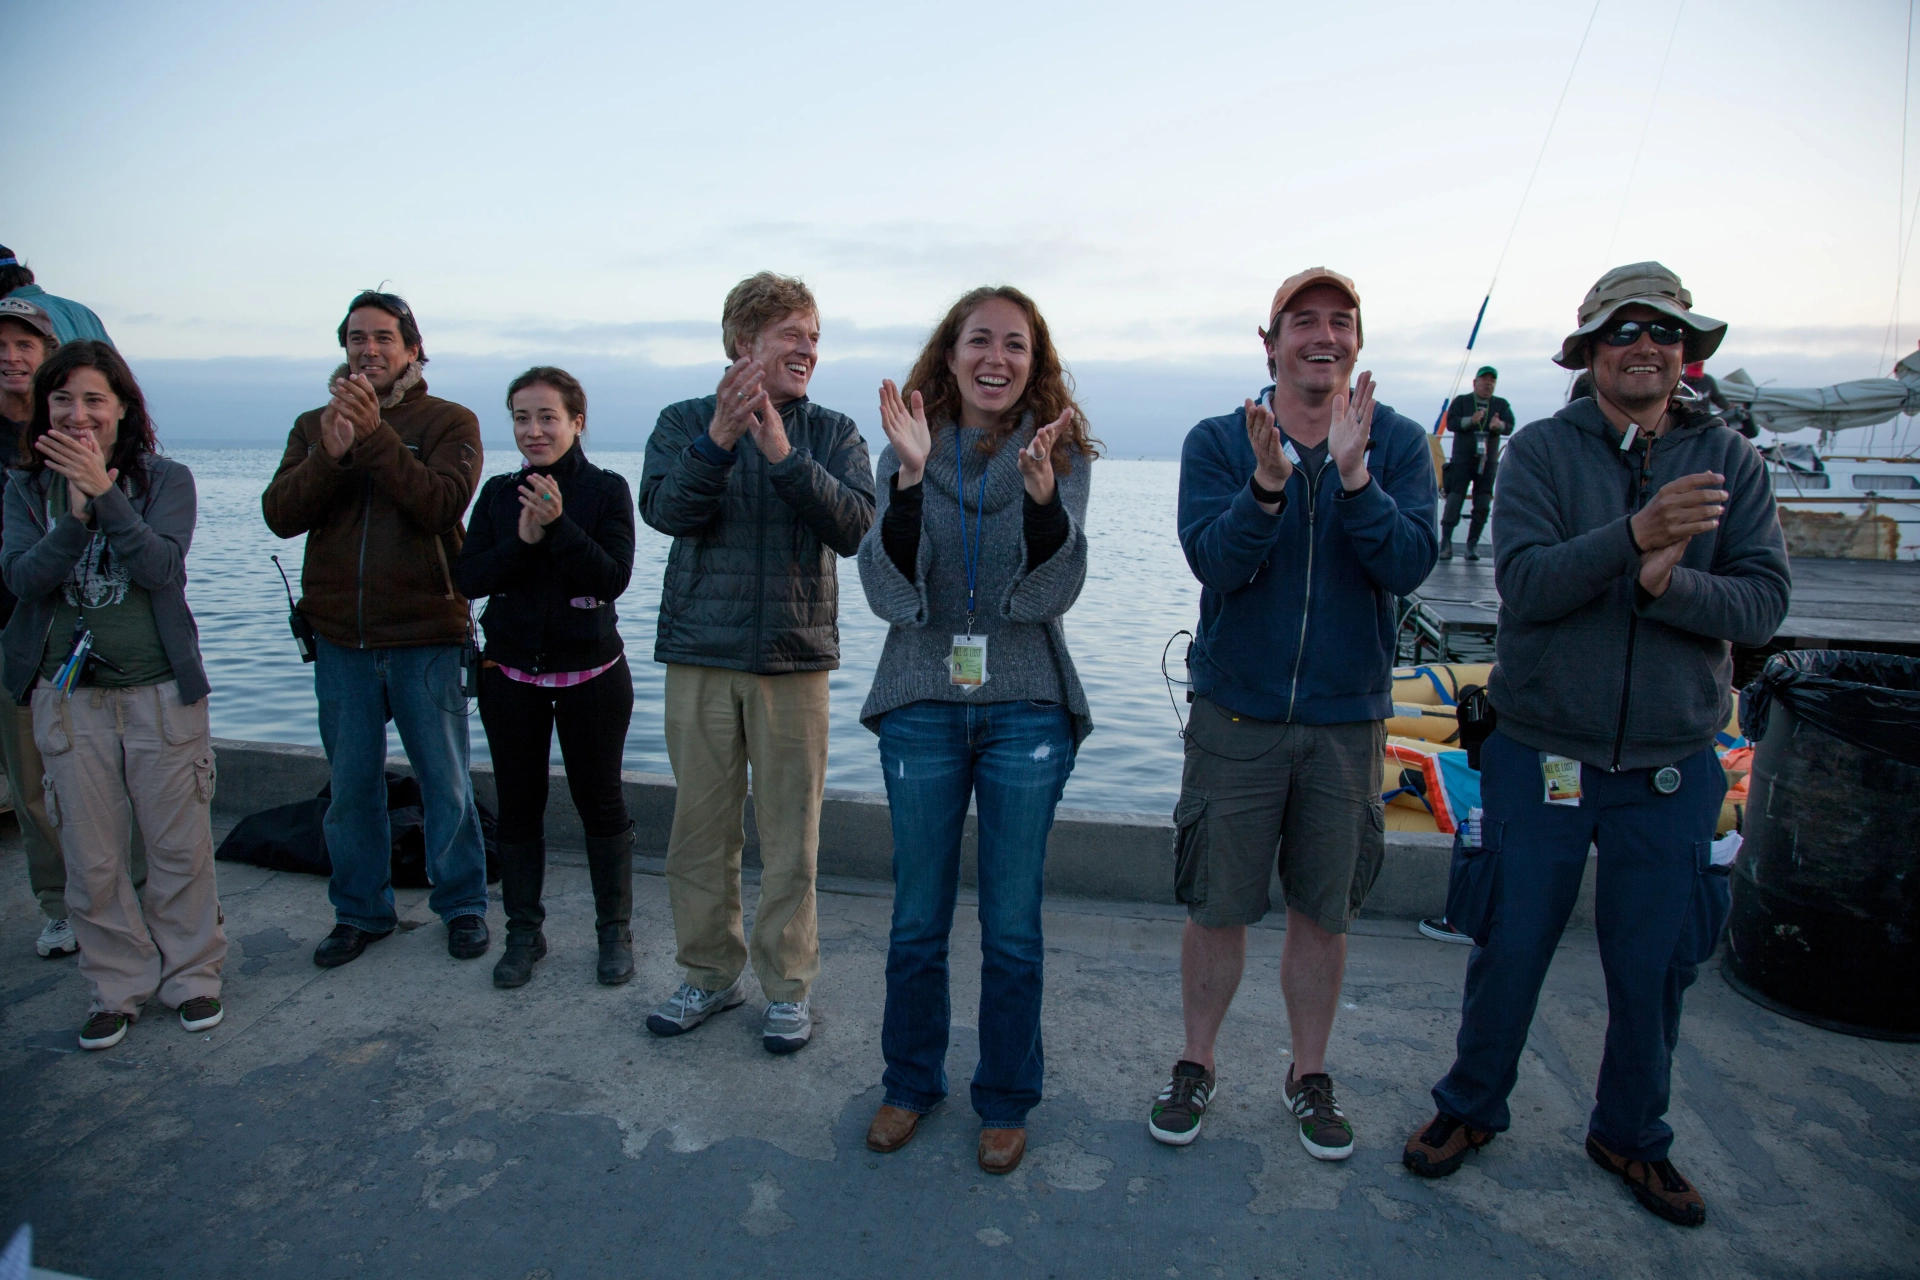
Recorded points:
(979,550)
(98,525)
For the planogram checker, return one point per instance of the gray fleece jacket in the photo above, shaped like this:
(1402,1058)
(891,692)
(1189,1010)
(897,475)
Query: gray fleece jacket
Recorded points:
(1019,611)
(1587,664)
(150,534)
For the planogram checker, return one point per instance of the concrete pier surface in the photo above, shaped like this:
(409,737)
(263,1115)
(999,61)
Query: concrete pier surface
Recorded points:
(400,1116)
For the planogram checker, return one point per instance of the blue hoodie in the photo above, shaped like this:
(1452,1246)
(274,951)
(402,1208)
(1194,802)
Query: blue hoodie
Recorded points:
(1296,609)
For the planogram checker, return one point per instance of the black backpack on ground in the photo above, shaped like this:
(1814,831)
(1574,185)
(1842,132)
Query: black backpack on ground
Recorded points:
(293,837)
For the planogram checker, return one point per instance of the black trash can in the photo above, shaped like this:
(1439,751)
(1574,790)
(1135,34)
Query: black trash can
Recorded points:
(1826,893)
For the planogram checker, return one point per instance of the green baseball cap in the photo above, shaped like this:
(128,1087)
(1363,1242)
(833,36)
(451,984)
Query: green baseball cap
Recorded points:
(1487,371)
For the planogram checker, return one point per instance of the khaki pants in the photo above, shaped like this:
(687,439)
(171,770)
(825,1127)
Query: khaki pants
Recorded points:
(718,723)
(111,754)
(46,868)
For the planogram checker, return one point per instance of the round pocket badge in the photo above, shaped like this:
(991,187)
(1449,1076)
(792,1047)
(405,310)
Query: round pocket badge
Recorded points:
(1664,781)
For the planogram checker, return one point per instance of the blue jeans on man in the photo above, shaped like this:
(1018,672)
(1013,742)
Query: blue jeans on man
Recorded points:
(1014,757)
(1658,911)
(359,690)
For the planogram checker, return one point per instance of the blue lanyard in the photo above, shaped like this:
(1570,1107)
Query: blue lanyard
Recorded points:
(969,557)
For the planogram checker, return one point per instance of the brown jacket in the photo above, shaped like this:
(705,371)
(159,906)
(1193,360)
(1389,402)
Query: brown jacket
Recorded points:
(382,522)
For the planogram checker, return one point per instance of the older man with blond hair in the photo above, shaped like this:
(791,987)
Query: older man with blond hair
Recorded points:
(760,489)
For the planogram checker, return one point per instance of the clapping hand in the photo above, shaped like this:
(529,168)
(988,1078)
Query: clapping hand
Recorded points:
(1656,567)
(907,432)
(1347,434)
(540,506)
(78,458)
(1692,504)
(734,400)
(351,415)
(1036,459)
(1271,468)
(769,432)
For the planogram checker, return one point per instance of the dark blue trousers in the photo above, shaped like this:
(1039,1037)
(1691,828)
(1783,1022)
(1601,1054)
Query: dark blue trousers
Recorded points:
(1657,909)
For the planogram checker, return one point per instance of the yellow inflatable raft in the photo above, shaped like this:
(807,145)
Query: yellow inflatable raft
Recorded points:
(1424,698)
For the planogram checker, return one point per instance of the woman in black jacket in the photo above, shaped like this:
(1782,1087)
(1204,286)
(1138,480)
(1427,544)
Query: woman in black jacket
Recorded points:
(551,546)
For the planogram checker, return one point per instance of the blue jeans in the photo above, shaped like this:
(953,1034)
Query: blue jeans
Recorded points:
(1658,911)
(1015,758)
(419,690)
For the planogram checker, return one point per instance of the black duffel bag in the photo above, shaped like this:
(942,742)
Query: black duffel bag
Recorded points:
(293,837)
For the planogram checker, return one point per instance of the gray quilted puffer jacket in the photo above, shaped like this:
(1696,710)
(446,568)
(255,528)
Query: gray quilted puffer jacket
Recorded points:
(751,582)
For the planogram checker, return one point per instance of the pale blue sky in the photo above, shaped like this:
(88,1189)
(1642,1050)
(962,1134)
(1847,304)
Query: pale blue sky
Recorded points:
(557,181)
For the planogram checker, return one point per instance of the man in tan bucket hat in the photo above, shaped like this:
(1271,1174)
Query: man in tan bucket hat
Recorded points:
(1634,542)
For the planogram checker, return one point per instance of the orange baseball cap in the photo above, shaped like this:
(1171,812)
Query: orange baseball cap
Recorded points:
(1295,285)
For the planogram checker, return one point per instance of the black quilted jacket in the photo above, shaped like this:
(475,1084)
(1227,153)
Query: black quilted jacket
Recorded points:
(751,582)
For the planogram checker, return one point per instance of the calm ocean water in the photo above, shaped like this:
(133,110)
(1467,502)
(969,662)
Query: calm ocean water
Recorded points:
(1138,593)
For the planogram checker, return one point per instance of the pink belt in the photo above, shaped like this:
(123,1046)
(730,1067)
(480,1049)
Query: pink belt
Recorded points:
(556,679)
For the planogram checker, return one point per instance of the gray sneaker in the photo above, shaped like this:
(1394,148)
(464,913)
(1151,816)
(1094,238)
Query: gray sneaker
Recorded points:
(56,939)
(690,1006)
(787,1027)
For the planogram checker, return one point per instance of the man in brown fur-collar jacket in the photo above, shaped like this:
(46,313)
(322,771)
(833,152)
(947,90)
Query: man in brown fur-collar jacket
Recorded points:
(378,480)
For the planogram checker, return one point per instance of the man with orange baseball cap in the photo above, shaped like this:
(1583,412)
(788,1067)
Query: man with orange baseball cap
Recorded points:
(1303,513)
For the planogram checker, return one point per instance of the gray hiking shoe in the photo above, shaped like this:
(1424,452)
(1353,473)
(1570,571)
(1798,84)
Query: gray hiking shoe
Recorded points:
(56,939)
(690,1006)
(787,1027)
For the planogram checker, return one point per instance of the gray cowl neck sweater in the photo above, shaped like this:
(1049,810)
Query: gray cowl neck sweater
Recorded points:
(1018,611)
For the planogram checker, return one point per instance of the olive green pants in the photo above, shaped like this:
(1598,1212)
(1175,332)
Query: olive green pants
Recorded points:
(720,724)
(46,868)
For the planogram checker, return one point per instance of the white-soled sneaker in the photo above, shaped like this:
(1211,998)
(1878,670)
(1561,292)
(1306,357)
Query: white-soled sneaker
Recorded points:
(1324,1131)
(690,1006)
(202,1013)
(1437,928)
(57,939)
(104,1030)
(787,1027)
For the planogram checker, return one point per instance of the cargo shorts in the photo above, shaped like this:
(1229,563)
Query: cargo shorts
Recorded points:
(1255,794)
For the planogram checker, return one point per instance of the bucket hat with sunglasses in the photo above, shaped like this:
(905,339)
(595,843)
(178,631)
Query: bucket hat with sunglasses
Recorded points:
(1646,284)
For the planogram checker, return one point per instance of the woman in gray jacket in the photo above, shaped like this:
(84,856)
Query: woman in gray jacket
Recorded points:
(97,530)
(979,550)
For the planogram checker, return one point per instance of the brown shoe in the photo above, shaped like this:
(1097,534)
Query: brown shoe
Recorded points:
(1656,1184)
(892,1129)
(1001,1149)
(1438,1149)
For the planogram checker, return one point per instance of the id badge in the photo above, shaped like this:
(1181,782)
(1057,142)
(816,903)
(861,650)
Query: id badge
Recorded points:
(967,664)
(1562,779)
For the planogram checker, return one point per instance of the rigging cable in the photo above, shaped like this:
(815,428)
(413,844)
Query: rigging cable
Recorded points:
(1501,261)
(1659,81)
(1903,236)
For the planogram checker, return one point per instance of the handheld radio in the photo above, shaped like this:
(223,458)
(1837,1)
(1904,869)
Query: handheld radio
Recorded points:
(301,628)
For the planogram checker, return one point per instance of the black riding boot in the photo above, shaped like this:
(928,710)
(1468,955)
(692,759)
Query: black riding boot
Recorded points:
(610,865)
(1446,541)
(523,873)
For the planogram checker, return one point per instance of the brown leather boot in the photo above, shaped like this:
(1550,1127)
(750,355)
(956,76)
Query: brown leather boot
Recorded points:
(892,1129)
(1001,1149)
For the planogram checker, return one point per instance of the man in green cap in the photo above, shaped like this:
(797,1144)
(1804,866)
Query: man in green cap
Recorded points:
(1637,543)
(1477,421)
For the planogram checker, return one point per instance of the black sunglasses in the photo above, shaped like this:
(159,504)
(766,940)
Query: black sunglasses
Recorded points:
(1628,332)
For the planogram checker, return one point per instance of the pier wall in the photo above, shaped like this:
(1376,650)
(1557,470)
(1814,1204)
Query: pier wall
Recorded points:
(1113,856)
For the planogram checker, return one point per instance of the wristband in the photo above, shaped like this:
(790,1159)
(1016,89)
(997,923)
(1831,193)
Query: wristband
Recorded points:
(1635,542)
(1263,494)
